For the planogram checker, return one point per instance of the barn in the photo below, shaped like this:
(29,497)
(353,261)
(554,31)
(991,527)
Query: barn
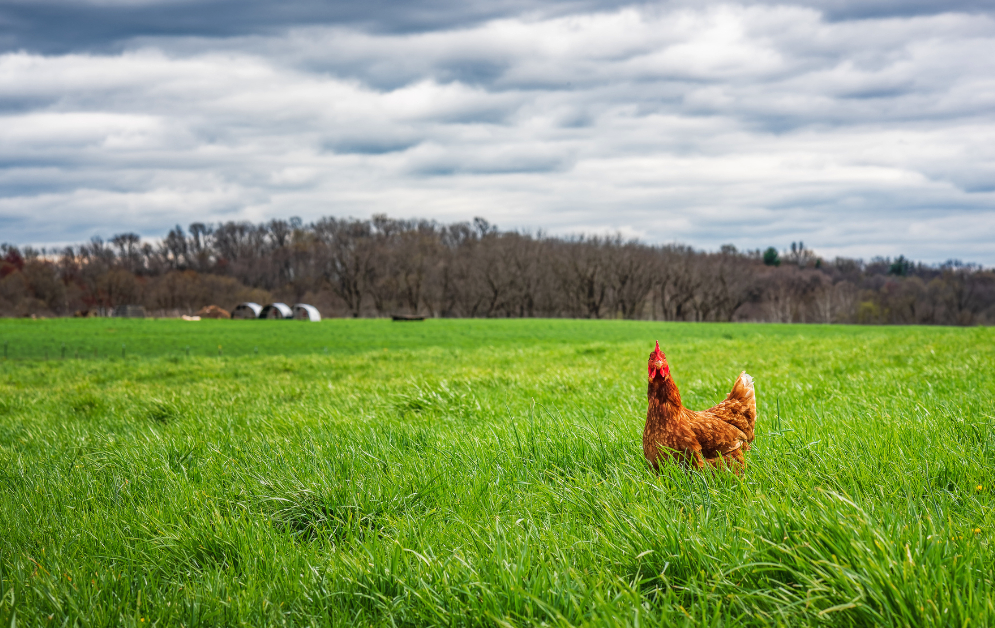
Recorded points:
(246,310)
(277,311)
(305,312)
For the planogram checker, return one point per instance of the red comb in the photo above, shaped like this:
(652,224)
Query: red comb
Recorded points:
(657,353)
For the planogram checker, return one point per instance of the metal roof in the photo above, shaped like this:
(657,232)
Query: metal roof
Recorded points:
(282,308)
(303,311)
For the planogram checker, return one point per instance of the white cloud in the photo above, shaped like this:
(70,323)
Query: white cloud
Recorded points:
(755,125)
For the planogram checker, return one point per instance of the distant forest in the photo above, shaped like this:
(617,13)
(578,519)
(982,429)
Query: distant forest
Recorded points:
(383,266)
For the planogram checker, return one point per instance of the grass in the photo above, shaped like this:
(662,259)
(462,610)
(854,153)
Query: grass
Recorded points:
(103,337)
(490,473)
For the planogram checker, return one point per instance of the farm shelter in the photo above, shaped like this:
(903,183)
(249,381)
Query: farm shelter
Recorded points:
(277,311)
(305,312)
(247,310)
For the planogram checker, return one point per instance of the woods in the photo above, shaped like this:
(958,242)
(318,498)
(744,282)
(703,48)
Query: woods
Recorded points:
(385,266)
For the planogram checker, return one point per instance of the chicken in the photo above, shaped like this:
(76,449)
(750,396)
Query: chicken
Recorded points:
(717,436)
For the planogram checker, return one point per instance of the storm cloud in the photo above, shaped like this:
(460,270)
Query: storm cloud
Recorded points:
(860,128)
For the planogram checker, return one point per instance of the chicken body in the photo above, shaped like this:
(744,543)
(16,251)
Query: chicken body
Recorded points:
(714,437)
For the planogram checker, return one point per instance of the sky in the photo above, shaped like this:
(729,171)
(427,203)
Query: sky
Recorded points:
(863,128)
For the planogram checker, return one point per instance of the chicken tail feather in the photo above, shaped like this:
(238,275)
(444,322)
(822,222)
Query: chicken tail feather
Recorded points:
(743,388)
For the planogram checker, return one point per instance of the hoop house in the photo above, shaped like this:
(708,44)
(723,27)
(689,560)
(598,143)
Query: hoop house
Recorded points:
(305,312)
(246,310)
(277,311)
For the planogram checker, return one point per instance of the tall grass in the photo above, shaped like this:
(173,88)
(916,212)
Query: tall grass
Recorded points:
(502,483)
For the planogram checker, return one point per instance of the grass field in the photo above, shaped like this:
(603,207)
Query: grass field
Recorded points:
(488,473)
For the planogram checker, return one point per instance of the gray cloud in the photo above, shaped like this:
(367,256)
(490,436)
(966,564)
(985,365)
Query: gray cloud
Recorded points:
(59,26)
(754,124)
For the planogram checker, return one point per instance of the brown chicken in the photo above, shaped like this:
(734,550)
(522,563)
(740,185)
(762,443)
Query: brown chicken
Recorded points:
(717,436)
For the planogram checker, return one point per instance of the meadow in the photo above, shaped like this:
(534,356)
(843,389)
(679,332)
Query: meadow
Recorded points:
(488,472)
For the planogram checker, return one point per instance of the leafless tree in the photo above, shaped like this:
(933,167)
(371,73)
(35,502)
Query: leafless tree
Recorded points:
(383,265)
(833,303)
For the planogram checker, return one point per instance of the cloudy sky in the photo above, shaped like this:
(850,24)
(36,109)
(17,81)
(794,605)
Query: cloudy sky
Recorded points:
(863,127)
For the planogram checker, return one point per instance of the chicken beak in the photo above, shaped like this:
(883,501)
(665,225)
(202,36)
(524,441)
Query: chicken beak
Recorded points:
(654,368)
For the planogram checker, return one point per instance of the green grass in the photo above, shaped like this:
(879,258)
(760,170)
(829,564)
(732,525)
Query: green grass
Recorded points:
(104,337)
(489,473)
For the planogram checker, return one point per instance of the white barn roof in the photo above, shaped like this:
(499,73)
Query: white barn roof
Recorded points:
(277,310)
(241,308)
(305,312)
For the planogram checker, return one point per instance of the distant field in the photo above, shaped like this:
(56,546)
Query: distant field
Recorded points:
(483,472)
(104,337)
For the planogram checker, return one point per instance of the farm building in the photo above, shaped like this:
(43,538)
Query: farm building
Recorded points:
(305,312)
(277,311)
(246,310)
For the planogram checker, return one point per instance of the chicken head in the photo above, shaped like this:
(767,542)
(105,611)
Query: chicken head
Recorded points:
(658,363)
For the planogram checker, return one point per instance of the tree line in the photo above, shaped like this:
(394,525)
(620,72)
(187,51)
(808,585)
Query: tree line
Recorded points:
(385,266)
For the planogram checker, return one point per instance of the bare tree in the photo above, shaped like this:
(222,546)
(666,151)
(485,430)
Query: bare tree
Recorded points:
(346,258)
(384,265)
(834,303)
(677,282)
(632,279)
(583,267)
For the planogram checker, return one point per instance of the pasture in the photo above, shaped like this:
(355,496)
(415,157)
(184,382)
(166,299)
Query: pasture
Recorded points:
(488,472)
